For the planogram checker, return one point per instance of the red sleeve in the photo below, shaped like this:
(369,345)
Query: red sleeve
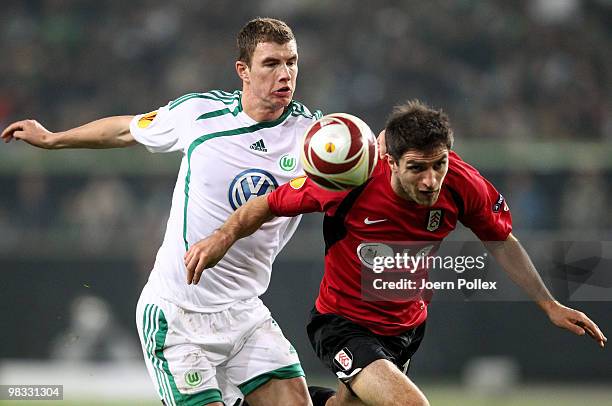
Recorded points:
(300,196)
(485,210)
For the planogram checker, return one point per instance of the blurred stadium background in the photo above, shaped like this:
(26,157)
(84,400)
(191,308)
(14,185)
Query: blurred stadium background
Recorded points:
(528,87)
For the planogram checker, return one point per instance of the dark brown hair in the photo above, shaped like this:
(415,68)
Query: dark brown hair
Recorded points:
(261,30)
(413,125)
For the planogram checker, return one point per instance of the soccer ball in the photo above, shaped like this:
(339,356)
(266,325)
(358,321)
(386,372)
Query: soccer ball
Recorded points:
(339,152)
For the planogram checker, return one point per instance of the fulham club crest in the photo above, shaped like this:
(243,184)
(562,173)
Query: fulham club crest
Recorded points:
(435,219)
(344,359)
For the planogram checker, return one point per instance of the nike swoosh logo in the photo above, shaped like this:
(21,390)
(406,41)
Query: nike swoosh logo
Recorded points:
(368,221)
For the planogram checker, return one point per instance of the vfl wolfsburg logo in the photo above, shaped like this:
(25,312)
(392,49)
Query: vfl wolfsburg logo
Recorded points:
(248,184)
(287,162)
(193,378)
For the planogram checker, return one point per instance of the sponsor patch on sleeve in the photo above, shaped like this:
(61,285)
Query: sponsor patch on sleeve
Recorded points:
(297,183)
(499,204)
(146,119)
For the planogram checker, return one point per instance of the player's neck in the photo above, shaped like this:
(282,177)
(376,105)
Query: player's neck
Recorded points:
(258,111)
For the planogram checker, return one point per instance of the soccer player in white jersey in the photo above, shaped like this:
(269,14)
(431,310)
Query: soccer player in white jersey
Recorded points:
(215,342)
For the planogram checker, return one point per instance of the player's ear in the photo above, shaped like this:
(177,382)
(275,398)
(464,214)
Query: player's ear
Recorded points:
(382,145)
(392,162)
(242,69)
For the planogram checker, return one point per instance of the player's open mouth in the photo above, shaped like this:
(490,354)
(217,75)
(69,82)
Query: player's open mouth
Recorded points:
(428,192)
(283,92)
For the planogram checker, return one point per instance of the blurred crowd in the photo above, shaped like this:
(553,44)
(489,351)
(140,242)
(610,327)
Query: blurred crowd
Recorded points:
(90,216)
(527,69)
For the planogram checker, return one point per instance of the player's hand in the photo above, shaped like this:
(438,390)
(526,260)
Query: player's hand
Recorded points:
(204,254)
(575,321)
(30,131)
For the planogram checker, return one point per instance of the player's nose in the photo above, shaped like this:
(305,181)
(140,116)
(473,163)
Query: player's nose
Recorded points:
(428,180)
(285,73)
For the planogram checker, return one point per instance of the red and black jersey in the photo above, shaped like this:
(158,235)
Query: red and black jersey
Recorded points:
(375,213)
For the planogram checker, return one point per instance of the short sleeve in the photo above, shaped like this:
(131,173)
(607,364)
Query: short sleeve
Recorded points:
(486,211)
(157,130)
(301,195)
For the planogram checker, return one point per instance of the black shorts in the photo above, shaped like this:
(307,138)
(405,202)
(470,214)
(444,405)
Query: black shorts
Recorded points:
(346,348)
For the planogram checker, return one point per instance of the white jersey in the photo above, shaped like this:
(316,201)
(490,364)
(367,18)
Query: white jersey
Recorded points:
(228,158)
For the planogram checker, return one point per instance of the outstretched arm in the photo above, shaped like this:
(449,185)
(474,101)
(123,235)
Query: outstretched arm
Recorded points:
(513,258)
(110,132)
(242,223)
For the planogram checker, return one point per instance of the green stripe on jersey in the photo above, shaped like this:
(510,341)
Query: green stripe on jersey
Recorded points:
(288,372)
(155,329)
(226,133)
(301,110)
(225,95)
(217,94)
(211,95)
(222,112)
(315,116)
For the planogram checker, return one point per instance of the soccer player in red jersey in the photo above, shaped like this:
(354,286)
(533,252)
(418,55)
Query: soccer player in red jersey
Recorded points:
(417,192)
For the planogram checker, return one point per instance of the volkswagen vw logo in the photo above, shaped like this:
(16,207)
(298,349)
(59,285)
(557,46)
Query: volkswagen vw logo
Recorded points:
(250,183)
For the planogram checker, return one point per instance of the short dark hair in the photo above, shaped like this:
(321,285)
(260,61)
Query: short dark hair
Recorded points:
(261,30)
(413,125)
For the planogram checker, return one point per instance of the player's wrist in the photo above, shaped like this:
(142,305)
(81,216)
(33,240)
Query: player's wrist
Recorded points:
(225,237)
(52,140)
(548,305)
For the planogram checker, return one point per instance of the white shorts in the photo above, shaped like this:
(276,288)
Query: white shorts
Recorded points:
(199,358)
